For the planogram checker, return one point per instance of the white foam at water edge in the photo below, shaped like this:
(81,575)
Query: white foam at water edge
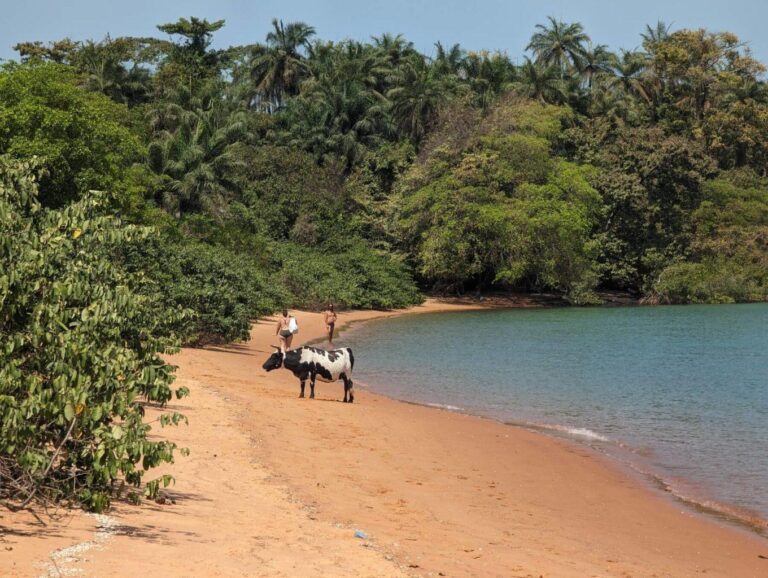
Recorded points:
(444,406)
(577,431)
(585,433)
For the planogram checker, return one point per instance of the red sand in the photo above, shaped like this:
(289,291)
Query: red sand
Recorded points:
(277,486)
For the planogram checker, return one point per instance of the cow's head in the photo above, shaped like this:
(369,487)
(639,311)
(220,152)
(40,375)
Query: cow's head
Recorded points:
(275,360)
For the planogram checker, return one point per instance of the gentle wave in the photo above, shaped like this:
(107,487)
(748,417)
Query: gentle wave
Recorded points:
(586,433)
(740,516)
(581,432)
(729,512)
(444,406)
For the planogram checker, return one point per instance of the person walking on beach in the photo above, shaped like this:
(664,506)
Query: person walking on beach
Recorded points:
(286,327)
(330,322)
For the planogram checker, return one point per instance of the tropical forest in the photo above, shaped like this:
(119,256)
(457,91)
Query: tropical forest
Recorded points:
(158,192)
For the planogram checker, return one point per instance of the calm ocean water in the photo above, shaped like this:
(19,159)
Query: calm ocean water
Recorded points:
(680,393)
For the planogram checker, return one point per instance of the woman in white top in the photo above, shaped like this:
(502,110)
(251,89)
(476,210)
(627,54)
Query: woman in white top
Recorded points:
(284,331)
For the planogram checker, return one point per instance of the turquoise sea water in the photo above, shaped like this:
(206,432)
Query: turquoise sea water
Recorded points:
(679,393)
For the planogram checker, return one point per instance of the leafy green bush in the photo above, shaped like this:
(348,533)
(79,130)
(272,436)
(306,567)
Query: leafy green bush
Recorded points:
(354,277)
(80,349)
(728,259)
(82,137)
(713,281)
(223,290)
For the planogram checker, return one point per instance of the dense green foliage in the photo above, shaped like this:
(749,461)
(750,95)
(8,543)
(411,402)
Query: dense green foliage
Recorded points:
(500,208)
(299,171)
(730,238)
(354,275)
(222,290)
(280,162)
(81,346)
(82,136)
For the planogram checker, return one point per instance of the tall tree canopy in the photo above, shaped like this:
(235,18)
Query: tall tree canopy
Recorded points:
(83,138)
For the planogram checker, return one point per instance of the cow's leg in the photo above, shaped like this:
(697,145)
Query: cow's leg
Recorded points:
(312,386)
(347,389)
(303,379)
(351,393)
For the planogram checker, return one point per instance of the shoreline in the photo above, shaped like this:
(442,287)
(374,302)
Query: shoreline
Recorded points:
(279,486)
(729,515)
(645,480)
(700,501)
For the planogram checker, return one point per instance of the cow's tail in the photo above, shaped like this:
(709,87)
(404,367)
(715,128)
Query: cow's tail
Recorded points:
(351,359)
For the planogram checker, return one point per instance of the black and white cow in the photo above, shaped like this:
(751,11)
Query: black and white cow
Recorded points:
(313,363)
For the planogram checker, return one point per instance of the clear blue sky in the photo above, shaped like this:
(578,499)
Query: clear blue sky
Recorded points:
(476,24)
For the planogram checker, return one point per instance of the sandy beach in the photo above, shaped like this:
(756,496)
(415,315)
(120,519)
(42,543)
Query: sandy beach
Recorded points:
(279,486)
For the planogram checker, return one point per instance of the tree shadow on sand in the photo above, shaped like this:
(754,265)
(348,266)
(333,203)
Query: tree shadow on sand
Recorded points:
(231,348)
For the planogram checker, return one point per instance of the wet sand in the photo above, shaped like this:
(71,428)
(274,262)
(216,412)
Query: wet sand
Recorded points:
(278,486)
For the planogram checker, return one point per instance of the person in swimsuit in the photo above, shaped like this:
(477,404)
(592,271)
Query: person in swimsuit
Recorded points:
(284,331)
(330,322)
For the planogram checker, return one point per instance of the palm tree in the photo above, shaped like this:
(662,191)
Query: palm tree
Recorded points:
(394,48)
(595,60)
(488,75)
(102,64)
(652,37)
(560,45)
(341,120)
(749,89)
(448,61)
(542,83)
(629,75)
(609,107)
(102,67)
(348,61)
(416,98)
(342,110)
(193,153)
(278,68)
